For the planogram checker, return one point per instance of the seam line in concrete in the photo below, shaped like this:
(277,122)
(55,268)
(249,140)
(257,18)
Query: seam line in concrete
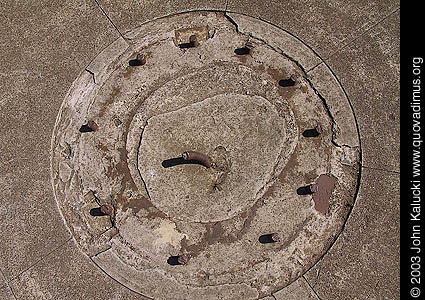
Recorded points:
(349,43)
(41,259)
(109,19)
(8,285)
(308,283)
(383,170)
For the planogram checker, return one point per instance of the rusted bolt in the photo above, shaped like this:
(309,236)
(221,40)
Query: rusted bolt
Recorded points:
(193,42)
(269,238)
(107,209)
(178,260)
(308,190)
(288,82)
(198,157)
(89,127)
(139,61)
(314,132)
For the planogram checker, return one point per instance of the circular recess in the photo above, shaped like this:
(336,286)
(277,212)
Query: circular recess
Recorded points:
(205,156)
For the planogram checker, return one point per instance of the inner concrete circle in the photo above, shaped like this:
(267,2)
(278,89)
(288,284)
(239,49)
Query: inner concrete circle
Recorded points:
(239,93)
(243,135)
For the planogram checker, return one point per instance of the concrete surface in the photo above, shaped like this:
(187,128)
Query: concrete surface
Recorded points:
(368,250)
(45,46)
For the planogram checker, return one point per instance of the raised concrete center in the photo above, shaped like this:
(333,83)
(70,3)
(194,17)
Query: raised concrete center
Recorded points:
(243,135)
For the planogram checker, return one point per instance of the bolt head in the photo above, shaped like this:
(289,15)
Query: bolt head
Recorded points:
(183,259)
(275,237)
(314,188)
(107,209)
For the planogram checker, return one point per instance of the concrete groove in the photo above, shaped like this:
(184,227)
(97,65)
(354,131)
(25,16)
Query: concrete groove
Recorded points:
(41,259)
(383,170)
(348,44)
(7,284)
(315,293)
(363,33)
(109,19)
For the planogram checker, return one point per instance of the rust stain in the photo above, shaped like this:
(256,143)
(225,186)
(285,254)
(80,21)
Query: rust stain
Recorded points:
(321,198)
(292,164)
(111,99)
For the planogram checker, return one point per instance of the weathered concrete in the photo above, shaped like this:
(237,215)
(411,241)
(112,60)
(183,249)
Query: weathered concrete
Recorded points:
(44,47)
(369,70)
(66,274)
(35,75)
(326,26)
(364,262)
(298,290)
(233,108)
(128,15)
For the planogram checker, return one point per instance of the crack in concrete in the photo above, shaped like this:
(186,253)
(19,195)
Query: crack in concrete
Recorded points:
(92,74)
(297,63)
(233,22)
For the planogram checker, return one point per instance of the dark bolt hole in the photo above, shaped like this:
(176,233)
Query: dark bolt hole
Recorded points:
(311,133)
(135,63)
(266,238)
(287,82)
(86,128)
(179,161)
(242,51)
(187,45)
(305,190)
(140,60)
(96,212)
(173,260)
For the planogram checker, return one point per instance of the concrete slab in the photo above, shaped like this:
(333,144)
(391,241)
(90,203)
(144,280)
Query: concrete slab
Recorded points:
(6,294)
(66,274)
(298,290)
(41,37)
(45,46)
(324,25)
(5,291)
(364,262)
(38,64)
(127,15)
(369,70)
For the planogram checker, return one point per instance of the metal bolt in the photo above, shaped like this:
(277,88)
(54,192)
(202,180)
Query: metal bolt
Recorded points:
(308,190)
(193,42)
(243,51)
(269,238)
(140,60)
(107,209)
(314,132)
(205,160)
(314,188)
(89,127)
(178,260)
(288,82)
(183,259)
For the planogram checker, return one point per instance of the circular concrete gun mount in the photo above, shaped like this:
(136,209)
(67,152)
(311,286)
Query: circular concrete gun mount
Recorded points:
(283,158)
